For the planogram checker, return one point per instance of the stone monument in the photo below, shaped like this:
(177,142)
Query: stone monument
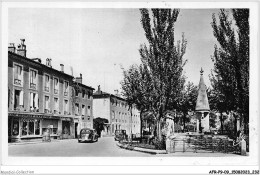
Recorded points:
(169,133)
(202,106)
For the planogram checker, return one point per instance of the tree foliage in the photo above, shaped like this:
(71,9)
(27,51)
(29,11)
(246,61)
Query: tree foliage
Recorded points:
(156,84)
(230,76)
(98,124)
(187,102)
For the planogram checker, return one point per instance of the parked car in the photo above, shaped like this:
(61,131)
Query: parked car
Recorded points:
(88,135)
(120,135)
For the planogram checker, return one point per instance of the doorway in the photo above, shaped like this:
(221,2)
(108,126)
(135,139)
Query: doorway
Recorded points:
(76,130)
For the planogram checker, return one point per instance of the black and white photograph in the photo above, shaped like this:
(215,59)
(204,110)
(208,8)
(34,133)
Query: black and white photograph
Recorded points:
(121,84)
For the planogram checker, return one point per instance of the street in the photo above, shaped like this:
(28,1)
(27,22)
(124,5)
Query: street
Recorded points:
(105,147)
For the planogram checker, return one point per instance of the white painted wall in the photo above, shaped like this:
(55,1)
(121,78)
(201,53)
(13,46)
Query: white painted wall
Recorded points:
(101,108)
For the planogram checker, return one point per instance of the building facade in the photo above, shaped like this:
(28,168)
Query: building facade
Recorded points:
(82,105)
(116,110)
(40,98)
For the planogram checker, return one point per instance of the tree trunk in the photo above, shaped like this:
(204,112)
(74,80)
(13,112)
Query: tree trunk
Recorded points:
(159,130)
(235,125)
(141,123)
(221,122)
(184,121)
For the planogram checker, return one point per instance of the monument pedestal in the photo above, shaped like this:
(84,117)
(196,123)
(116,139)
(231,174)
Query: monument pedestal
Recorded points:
(169,146)
(203,120)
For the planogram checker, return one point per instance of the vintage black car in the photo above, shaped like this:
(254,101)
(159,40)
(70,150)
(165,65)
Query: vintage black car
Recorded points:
(120,135)
(88,135)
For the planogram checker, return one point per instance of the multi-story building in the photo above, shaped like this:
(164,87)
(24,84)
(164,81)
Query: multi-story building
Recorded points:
(82,105)
(117,112)
(39,98)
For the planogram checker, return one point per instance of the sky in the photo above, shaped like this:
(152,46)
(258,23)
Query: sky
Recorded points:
(98,42)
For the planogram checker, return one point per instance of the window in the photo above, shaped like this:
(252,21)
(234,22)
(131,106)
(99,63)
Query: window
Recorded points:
(56,85)
(15,130)
(76,109)
(47,104)
(65,127)
(88,111)
(113,114)
(56,105)
(89,95)
(18,74)
(83,111)
(66,88)
(33,79)
(34,102)
(83,93)
(18,99)
(37,127)
(24,128)
(77,92)
(30,127)
(66,107)
(46,83)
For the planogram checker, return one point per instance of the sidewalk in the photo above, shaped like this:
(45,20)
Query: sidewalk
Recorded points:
(36,142)
(199,153)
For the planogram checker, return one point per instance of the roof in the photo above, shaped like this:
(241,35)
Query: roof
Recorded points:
(106,95)
(40,64)
(202,100)
(85,86)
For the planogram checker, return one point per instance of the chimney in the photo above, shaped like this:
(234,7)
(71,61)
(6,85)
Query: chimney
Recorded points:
(22,48)
(99,90)
(48,62)
(61,67)
(116,92)
(11,47)
(79,79)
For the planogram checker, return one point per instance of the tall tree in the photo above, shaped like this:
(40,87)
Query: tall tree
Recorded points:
(163,59)
(188,101)
(136,88)
(230,76)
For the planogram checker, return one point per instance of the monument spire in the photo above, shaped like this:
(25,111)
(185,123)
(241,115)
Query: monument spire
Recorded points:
(202,100)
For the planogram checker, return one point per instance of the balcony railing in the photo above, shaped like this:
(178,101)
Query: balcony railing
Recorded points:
(56,91)
(47,89)
(18,108)
(17,82)
(34,110)
(32,86)
(56,112)
(46,111)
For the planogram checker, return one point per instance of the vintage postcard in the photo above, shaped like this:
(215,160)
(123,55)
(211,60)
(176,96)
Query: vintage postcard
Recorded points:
(130,87)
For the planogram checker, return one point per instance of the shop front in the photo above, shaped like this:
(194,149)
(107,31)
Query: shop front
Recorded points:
(27,126)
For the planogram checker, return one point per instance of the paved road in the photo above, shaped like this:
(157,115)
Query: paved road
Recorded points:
(105,147)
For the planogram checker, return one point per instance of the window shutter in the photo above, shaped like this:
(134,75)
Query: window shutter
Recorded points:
(21,98)
(36,101)
(31,99)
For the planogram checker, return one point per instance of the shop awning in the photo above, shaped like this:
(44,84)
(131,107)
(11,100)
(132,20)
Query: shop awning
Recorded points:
(39,116)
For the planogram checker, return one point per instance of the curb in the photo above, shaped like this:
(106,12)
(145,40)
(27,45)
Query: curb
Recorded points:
(26,143)
(150,151)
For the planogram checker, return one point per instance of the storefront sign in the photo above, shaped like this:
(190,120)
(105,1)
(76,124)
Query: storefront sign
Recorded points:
(33,116)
